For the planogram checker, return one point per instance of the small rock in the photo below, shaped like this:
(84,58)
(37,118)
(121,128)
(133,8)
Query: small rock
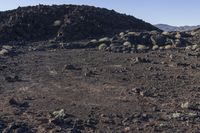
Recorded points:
(167,47)
(194,47)
(7,47)
(171,56)
(127,129)
(141,60)
(18,128)
(165,33)
(89,73)
(161,48)
(132,33)
(185,105)
(188,47)
(12,78)
(141,47)
(3,52)
(104,40)
(178,43)
(163,63)
(93,41)
(127,44)
(136,90)
(178,35)
(17,103)
(176,115)
(121,34)
(69,67)
(155,47)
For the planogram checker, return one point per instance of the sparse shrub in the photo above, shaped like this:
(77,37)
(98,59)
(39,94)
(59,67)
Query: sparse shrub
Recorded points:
(59,113)
(102,46)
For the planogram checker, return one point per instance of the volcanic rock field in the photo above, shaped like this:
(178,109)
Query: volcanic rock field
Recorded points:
(83,69)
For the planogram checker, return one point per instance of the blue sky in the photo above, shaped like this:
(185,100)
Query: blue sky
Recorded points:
(173,12)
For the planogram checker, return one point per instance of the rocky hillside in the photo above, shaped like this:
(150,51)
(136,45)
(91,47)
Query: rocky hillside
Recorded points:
(166,27)
(65,22)
(195,38)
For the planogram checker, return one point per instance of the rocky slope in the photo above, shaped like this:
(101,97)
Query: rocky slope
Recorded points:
(166,27)
(65,22)
(195,38)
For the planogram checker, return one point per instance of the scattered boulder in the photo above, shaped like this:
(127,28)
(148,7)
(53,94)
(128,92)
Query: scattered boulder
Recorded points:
(167,47)
(194,47)
(127,44)
(141,48)
(13,78)
(104,40)
(3,52)
(155,47)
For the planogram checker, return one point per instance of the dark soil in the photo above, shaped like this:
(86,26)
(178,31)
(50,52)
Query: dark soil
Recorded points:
(100,91)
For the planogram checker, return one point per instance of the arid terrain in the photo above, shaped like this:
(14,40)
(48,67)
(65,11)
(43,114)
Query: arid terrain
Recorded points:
(100,91)
(133,79)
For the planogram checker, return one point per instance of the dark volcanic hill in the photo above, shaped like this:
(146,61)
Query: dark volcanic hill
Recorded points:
(166,27)
(65,22)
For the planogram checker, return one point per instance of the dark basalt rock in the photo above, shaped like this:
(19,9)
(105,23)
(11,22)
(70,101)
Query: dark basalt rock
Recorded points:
(65,22)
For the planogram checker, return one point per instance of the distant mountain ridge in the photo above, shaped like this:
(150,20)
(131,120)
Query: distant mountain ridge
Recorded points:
(166,27)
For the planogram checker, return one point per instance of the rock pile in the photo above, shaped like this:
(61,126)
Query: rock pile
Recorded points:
(65,22)
(142,41)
